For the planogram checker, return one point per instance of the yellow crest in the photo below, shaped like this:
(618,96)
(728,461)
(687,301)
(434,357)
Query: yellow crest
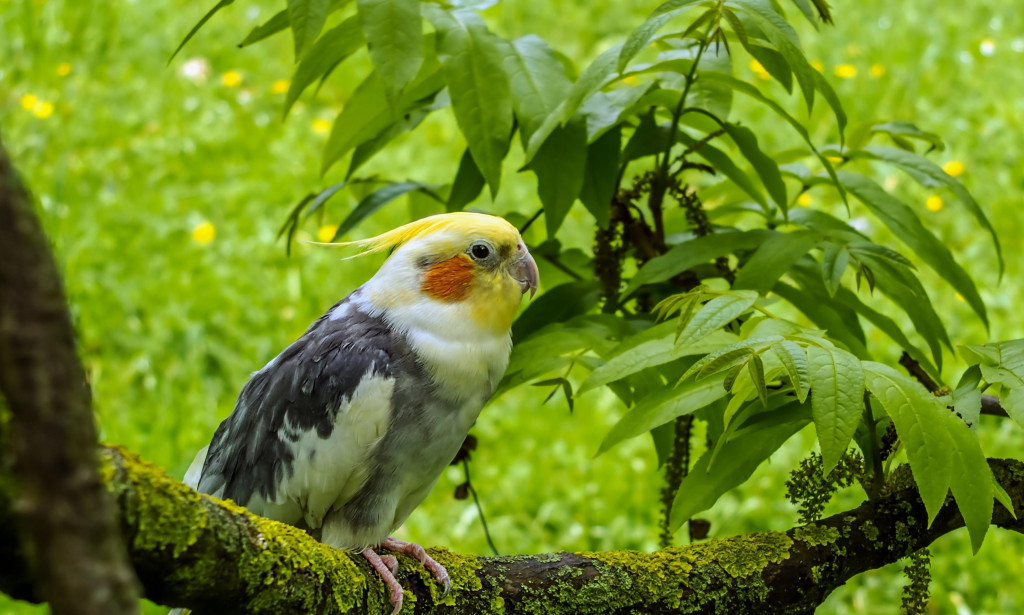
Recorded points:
(462,221)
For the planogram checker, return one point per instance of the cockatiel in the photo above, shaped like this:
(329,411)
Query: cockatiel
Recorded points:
(346,431)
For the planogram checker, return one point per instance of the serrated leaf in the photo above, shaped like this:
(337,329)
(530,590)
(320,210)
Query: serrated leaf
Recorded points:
(715,314)
(967,396)
(377,199)
(833,101)
(837,400)
(969,480)
(272,26)
(650,353)
(840,322)
(600,171)
(736,461)
(909,130)
(642,35)
(755,367)
(394,38)
(833,264)
(537,80)
(697,251)
(661,406)
(333,47)
(604,110)
(472,60)
(794,358)
(596,75)
(307,19)
(907,227)
(726,357)
(774,258)
(560,165)
(468,183)
(920,424)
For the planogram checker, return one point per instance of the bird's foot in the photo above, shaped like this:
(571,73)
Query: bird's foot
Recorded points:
(411,548)
(386,567)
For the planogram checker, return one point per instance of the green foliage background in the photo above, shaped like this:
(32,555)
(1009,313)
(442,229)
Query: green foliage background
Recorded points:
(134,156)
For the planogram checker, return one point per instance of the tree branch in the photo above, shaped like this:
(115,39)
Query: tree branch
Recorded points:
(75,549)
(990,404)
(194,551)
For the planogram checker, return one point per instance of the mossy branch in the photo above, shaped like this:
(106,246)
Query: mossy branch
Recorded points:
(195,551)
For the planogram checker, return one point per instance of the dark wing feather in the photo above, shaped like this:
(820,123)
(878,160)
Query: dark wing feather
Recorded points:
(300,390)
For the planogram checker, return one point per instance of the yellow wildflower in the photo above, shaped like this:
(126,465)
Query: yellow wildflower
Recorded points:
(204,232)
(231,78)
(959,297)
(280,86)
(29,102)
(834,159)
(804,199)
(954,168)
(933,203)
(846,71)
(43,109)
(320,126)
(326,232)
(818,65)
(877,70)
(64,69)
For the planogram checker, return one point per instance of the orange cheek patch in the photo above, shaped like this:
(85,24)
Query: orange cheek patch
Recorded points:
(449,280)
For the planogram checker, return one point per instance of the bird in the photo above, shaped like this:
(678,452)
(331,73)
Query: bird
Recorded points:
(348,429)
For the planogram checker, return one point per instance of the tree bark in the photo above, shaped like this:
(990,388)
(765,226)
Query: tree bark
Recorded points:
(74,547)
(194,551)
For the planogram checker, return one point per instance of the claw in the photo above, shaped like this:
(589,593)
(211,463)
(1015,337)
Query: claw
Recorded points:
(411,548)
(386,573)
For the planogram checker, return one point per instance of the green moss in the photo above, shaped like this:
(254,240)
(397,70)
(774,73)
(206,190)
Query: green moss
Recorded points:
(869,530)
(815,535)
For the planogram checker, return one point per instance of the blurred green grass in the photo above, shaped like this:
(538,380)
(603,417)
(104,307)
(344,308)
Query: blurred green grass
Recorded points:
(137,164)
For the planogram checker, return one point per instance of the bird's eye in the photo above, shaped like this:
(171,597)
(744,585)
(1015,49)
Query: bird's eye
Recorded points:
(480,251)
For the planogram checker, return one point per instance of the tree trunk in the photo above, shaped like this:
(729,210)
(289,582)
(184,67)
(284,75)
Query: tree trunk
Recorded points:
(73,544)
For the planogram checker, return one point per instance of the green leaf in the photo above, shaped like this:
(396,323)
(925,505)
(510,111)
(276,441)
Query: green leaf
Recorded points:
(715,314)
(272,26)
(774,258)
(641,36)
(784,38)
(766,167)
(723,163)
(745,88)
(598,73)
(697,251)
(909,131)
(920,420)
(407,122)
(467,185)
(833,101)
(756,370)
(736,461)
(333,47)
(841,323)
(599,175)
(394,37)
(973,493)
(537,80)
(931,175)
(833,264)
(307,19)
(200,24)
(473,66)
(661,406)
(603,110)
(837,400)
(650,353)
(794,358)
(362,117)
(907,227)
(967,396)
(377,199)
(560,165)
(556,305)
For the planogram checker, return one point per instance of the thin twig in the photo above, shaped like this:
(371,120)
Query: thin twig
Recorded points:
(479,509)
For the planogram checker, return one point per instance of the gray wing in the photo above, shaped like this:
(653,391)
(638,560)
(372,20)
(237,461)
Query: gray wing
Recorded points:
(254,451)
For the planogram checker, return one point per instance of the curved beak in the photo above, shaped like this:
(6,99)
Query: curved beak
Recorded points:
(524,270)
